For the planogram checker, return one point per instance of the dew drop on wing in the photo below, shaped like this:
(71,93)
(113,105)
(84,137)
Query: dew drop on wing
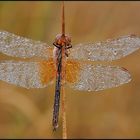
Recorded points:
(115,52)
(100,77)
(89,56)
(115,48)
(89,90)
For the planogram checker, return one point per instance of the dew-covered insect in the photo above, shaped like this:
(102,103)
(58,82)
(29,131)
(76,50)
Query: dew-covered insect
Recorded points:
(66,64)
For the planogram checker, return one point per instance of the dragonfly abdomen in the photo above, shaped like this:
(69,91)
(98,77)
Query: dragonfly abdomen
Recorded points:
(57,91)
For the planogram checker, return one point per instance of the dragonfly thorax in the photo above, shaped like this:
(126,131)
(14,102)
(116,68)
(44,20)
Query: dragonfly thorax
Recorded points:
(61,41)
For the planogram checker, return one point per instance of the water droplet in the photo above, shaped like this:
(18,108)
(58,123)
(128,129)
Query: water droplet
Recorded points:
(89,89)
(89,53)
(115,52)
(90,68)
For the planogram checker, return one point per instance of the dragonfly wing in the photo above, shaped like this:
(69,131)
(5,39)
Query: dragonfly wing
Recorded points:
(88,77)
(14,45)
(27,74)
(106,51)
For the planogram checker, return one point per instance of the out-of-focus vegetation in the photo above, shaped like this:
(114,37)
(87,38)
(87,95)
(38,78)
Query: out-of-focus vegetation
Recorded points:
(112,113)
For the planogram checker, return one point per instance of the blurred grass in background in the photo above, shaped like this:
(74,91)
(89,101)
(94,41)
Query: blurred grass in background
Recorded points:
(112,113)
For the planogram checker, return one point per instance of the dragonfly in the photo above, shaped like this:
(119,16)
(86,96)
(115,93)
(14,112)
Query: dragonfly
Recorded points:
(65,64)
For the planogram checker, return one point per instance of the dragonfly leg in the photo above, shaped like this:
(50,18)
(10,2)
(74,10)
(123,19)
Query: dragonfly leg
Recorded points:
(68,47)
(67,50)
(57,46)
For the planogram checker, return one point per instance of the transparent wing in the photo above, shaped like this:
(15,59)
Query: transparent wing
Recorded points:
(107,50)
(87,77)
(27,74)
(13,45)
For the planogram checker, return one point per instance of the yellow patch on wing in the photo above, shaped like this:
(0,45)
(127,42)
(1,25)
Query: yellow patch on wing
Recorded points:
(47,71)
(72,71)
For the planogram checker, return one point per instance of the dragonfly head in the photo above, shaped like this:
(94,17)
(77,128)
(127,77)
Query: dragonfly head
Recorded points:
(63,40)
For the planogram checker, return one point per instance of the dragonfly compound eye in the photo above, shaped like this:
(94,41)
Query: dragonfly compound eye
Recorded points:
(62,40)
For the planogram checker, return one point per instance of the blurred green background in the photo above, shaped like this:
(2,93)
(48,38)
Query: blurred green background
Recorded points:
(112,113)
